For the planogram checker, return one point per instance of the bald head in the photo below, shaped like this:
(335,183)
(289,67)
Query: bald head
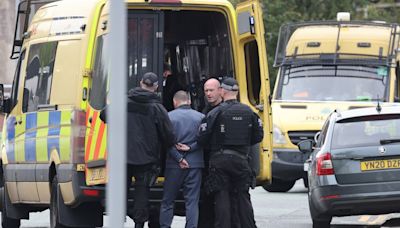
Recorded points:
(181,98)
(212,91)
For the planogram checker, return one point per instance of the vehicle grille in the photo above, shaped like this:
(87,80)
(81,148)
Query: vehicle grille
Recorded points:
(297,136)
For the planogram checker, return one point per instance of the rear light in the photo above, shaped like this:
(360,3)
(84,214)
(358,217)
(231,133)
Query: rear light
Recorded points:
(324,165)
(78,133)
(89,192)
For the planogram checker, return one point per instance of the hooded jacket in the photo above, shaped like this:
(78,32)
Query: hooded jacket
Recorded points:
(150,131)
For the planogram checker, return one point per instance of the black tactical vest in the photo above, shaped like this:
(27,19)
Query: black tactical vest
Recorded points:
(234,126)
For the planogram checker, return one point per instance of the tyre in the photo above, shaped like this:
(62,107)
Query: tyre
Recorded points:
(7,222)
(279,185)
(305,181)
(319,220)
(54,216)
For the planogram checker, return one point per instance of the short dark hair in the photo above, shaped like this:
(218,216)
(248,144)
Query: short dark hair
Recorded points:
(181,96)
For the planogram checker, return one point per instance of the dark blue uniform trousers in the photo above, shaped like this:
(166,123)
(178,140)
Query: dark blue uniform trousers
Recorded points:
(190,181)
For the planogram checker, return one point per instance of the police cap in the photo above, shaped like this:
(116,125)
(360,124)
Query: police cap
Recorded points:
(229,84)
(150,79)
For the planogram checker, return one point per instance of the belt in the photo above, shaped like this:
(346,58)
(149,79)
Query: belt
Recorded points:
(230,152)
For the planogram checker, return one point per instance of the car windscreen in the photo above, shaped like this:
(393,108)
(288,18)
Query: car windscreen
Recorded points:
(333,83)
(365,131)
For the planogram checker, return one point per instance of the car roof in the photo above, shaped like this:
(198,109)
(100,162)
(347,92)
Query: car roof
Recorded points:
(359,112)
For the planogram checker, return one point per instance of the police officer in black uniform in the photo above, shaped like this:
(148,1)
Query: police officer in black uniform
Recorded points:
(231,128)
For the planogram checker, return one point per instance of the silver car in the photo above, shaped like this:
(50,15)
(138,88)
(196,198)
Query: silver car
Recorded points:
(354,168)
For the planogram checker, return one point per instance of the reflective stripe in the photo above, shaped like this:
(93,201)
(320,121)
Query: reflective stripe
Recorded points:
(20,138)
(99,140)
(65,136)
(30,136)
(94,134)
(103,148)
(10,146)
(53,139)
(89,135)
(41,136)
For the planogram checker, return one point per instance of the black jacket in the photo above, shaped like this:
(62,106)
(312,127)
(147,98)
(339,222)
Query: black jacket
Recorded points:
(150,131)
(207,132)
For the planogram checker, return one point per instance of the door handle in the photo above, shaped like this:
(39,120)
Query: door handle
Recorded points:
(90,119)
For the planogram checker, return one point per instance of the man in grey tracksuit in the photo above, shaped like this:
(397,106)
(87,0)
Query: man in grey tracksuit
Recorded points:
(184,163)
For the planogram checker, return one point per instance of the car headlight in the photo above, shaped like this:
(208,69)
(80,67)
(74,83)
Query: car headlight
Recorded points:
(279,137)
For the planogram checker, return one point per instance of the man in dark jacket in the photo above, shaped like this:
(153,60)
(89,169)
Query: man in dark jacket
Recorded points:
(212,92)
(149,132)
(230,129)
(183,169)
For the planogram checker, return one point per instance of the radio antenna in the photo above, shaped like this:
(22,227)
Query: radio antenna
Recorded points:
(378,106)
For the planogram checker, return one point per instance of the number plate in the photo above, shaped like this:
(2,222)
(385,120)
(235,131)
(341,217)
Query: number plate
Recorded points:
(96,176)
(380,164)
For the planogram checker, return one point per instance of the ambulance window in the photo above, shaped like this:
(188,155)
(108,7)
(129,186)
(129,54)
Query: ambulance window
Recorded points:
(98,91)
(39,75)
(253,72)
(15,85)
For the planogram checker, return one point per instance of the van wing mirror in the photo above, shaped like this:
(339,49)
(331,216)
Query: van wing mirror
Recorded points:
(5,104)
(306,146)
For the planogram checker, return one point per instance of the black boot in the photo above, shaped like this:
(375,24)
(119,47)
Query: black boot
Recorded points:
(139,225)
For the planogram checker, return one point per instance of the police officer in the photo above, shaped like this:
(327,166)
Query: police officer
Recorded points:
(231,128)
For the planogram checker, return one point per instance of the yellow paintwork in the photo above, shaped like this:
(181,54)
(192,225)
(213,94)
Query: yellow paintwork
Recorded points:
(349,37)
(312,118)
(74,24)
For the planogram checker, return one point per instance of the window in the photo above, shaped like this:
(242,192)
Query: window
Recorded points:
(39,75)
(253,72)
(323,133)
(98,92)
(15,85)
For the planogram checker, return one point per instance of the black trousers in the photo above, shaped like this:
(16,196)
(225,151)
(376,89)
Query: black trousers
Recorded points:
(143,175)
(206,207)
(233,208)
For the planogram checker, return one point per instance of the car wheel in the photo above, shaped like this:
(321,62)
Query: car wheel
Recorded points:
(321,224)
(54,221)
(279,185)
(319,220)
(7,222)
(305,181)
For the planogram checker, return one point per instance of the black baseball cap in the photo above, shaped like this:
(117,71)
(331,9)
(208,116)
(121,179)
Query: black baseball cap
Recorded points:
(229,84)
(150,79)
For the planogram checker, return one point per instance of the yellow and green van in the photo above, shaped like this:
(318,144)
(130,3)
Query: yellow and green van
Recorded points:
(54,147)
(323,66)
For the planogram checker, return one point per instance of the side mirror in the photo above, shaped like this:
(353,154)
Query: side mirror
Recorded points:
(306,146)
(5,104)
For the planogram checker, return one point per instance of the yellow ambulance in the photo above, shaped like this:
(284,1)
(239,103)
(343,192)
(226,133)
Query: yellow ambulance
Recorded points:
(54,147)
(324,66)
